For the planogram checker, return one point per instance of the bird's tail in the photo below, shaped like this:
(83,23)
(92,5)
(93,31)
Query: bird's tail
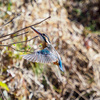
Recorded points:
(60,65)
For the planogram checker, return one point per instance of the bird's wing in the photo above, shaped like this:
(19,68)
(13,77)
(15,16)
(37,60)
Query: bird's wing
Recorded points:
(42,56)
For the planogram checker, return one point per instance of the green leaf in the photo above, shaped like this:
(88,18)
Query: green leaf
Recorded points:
(0,99)
(9,6)
(13,44)
(4,86)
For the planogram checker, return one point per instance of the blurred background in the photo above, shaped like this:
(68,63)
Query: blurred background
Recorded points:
(74,31)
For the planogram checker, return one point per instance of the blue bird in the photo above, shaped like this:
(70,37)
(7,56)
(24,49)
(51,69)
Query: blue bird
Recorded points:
(48,54)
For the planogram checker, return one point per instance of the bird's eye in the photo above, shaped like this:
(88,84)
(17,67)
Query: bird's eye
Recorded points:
(43,34)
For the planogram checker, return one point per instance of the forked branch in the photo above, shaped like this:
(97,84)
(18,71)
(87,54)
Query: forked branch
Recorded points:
(25,27)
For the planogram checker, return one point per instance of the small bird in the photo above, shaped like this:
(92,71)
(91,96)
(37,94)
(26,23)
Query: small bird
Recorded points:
(48,54)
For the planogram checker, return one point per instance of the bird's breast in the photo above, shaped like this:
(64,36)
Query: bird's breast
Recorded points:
(44,45)
(56,63)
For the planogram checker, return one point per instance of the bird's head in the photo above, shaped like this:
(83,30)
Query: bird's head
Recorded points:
(43,36)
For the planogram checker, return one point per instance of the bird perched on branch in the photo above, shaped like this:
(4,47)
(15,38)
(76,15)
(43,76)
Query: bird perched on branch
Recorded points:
(48,54)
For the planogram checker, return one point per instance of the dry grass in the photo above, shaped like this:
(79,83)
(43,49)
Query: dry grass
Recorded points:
(80,55)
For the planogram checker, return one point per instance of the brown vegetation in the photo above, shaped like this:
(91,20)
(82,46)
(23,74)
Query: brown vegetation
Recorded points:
(79,49)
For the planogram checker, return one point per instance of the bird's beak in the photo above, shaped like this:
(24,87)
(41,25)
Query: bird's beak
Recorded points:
(36,31)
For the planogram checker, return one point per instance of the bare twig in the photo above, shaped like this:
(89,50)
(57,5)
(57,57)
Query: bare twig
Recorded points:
(25,27)
(20,42)
(81,95)
(10,21)
(14,36)
(71,94)
(2,95)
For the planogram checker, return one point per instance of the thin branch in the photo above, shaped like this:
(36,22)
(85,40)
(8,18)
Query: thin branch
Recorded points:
(26,27)
(19,42)
(14,36)
(81,95)
(3,95)
(10,21)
